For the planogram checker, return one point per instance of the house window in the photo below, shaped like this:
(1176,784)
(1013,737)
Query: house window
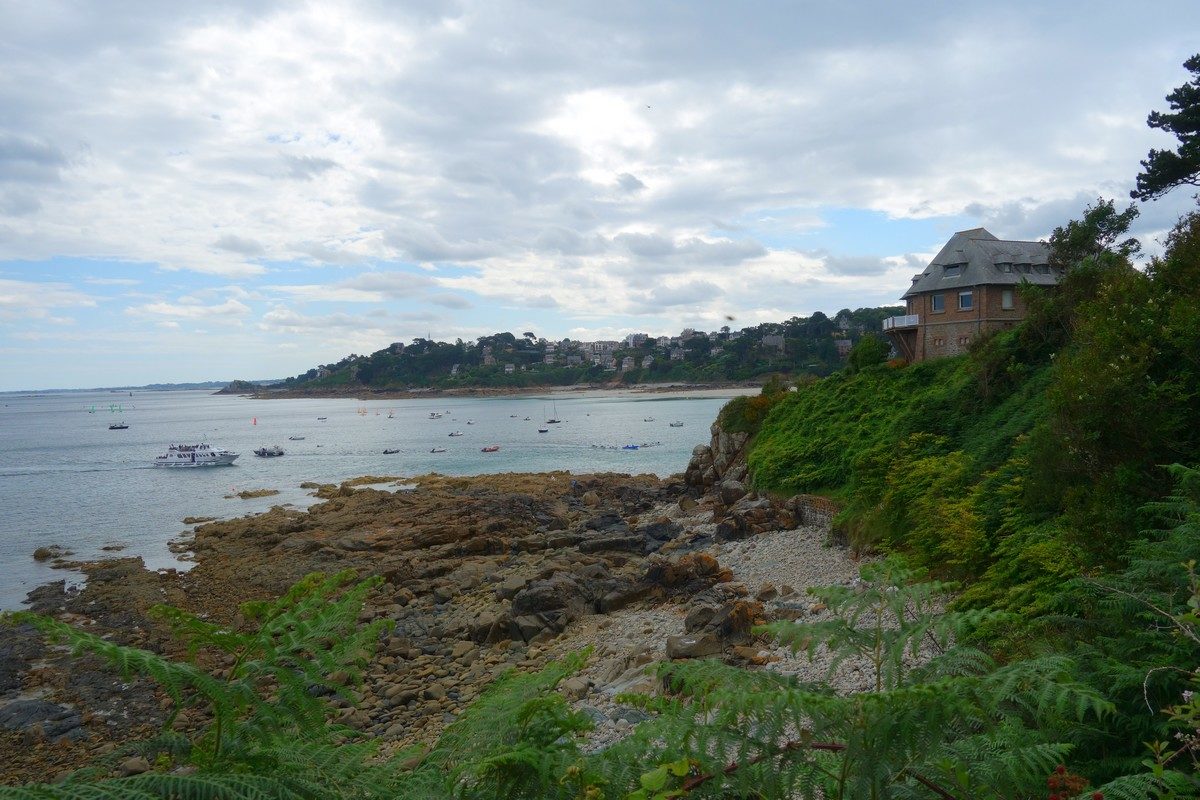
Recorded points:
(1006,299)
(966,301)
(937,303)
(952,271)
(1005,267)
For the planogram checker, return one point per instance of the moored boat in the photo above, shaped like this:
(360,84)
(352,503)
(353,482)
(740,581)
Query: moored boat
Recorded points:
(195,455)
(295,438)
(390,452)
(118,426)
(491,448)
(675,425)
(273,451)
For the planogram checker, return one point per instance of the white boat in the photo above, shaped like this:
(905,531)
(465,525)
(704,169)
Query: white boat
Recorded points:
(455,433)
(438,450)
(676,424)
(269,452)
(195,455)
(295,438)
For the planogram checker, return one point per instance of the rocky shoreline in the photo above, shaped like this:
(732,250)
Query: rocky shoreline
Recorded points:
(480,574)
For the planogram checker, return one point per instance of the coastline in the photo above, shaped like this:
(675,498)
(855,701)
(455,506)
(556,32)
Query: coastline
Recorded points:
(717,389)
(481,574)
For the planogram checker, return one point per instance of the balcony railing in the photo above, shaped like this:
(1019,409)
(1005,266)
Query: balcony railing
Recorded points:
(906,321)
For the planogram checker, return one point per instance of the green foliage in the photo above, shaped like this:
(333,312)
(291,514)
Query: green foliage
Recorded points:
(1163,170)
(937,713)
(869,351)
(266,730)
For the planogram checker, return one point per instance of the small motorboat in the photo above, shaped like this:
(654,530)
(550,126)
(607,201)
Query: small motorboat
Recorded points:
(543,430)
(630,447)
(438,450)
(295,438)
(527,419)
(491,448)
(470,422)
(434,415)
(455,433)
(269,452)
(322,419)
(390,452)
(675,425)
(118,426)
(648,419)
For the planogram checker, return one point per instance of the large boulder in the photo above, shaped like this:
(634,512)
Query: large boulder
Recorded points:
(693,646)
(688,574)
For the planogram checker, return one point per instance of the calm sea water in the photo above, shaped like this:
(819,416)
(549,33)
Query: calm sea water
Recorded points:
(66,479)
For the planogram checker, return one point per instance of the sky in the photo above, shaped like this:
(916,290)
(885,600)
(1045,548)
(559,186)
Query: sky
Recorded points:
(223,190)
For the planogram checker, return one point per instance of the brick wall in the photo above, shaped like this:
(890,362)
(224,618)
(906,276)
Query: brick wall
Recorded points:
(951,331)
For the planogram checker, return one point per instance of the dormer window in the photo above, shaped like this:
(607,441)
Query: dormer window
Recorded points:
(952,270)
(1005,267)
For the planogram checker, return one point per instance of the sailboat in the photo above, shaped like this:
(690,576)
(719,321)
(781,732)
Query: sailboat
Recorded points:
(554,420)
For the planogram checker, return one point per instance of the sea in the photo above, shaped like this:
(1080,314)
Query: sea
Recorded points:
(66,479)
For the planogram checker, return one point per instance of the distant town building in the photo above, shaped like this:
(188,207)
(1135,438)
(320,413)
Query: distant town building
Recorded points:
(647,361)
(489,360)
(550,358)
(677,353)
(773,341)
(627,363)
(574,359)
(509,369)
(454,369)
(663,341)
(636,339)
(844,346)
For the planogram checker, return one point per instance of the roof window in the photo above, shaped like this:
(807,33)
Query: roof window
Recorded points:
(952,270)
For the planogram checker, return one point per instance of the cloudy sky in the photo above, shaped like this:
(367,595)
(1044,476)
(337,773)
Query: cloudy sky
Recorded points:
(249,189)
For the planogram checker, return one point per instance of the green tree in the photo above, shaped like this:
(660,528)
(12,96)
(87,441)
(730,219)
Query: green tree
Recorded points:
(1163,170)
(869,351)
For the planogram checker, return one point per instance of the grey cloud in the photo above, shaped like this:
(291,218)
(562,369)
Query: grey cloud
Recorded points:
(856,265)
(17,204)
(540,301)
(24,159)
(569,242)
(392,284)
(630,183)
(236,244)
(451,301)
(685,294)
(426,244)
(653,253)
(328,255)
(307,167)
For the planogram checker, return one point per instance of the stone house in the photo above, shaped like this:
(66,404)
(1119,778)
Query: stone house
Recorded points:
(968,289)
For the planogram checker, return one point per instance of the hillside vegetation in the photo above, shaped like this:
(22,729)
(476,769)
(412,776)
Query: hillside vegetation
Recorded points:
(800,345)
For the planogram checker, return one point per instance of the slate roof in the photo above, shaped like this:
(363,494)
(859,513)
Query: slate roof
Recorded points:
(984,260)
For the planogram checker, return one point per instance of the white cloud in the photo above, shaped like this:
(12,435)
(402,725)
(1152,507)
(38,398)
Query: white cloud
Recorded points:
(188,308)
